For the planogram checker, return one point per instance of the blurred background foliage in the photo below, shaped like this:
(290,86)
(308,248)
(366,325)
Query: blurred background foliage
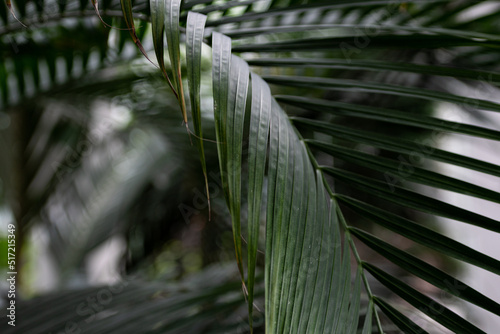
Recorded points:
(104,183)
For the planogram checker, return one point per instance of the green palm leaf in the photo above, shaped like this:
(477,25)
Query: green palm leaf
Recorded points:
(330,137)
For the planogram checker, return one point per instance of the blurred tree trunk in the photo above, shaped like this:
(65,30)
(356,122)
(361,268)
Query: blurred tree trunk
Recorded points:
(19,139)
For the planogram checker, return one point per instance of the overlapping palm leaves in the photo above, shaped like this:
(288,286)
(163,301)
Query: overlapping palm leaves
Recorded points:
(308,238)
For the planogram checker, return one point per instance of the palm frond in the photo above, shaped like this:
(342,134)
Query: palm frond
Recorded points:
(319,150)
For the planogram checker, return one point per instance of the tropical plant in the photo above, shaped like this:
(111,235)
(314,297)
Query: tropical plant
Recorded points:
(322,118)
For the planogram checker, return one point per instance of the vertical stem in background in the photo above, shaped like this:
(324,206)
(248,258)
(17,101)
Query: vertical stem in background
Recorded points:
(20,202)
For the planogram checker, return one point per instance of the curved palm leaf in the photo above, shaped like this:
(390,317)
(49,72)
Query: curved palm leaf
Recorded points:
(309,239)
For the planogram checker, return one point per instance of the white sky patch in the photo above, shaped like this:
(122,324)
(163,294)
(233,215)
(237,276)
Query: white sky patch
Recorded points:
(475,12)
(482,240)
